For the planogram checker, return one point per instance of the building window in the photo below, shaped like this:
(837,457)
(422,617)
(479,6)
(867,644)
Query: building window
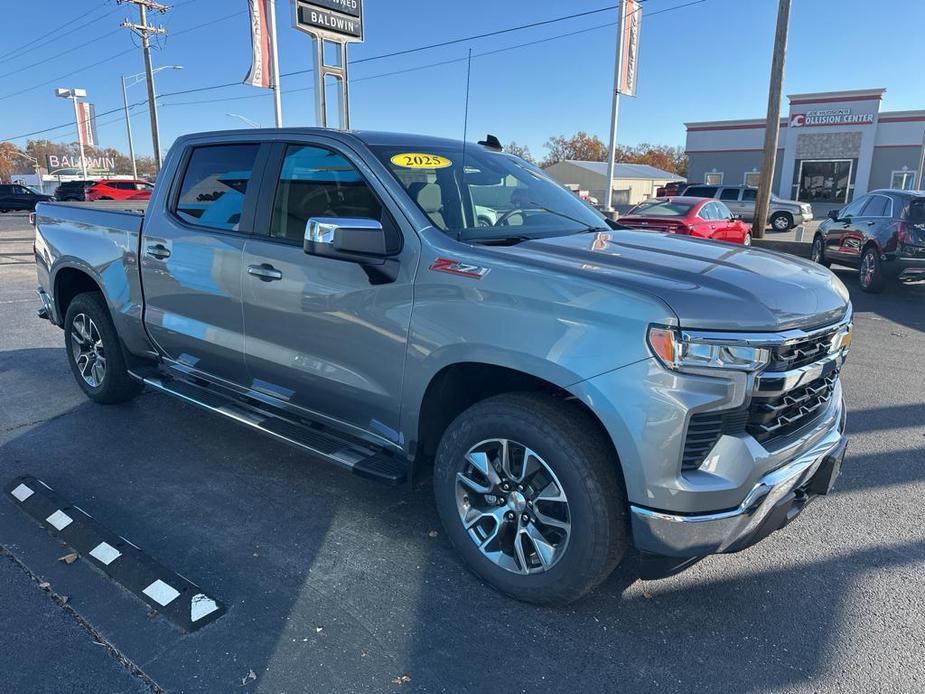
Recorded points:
(713,178)
(752,178)
(903,180)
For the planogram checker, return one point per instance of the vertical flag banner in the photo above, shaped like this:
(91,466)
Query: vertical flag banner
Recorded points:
(630,68)
(261,72)
(87,122)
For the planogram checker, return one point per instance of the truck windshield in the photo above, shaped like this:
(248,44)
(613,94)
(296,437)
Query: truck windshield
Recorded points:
(499,196)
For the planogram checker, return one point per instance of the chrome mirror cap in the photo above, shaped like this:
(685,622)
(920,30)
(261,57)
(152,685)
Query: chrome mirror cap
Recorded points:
(323,229)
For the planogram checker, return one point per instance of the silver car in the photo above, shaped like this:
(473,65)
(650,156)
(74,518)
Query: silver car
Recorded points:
(782,214)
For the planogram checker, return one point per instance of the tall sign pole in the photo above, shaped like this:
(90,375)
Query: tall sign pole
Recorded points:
(80,136)
(338,22)
(264,72)
(144,31)
(772,126)
(277,96)
(625,74)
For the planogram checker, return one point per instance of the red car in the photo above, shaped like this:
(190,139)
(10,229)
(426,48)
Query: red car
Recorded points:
(120,190)
(704,218)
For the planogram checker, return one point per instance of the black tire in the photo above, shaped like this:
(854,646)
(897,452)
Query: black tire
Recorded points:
(573,447)
(818,252)
(781,221)
(870,274)
(116,385)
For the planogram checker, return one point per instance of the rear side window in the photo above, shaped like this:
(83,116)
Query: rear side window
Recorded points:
(749,194)
(729,194)
(214,184)
(879,206)
(317,182)
(916,213)
(700,191)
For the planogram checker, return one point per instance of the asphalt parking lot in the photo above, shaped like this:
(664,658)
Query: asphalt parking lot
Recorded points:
(333,583)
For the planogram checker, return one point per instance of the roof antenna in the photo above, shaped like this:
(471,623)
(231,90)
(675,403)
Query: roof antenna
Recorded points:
(462,176)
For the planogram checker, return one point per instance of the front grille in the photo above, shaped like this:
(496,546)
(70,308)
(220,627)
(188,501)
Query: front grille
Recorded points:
(796,354)
(771,417)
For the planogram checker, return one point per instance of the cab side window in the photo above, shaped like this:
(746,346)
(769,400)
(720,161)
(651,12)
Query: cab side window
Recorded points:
(854,209)
(214,184)
(318,182)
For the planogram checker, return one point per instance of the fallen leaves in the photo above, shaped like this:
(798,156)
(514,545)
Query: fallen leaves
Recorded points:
(248,678)
(69,558)
(401,679)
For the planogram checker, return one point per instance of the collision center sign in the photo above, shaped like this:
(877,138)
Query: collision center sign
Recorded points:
(835,116)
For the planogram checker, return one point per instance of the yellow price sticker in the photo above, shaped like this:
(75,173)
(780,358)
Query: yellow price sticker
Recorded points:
(416,160)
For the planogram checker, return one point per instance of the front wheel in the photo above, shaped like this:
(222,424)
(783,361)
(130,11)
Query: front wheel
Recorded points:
(747,241)
(871,273)
(781,221)
(818,252)
(95,353)
(528,491)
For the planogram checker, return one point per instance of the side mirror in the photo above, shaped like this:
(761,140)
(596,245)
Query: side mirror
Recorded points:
(833,215)
(735,217)
(344,238)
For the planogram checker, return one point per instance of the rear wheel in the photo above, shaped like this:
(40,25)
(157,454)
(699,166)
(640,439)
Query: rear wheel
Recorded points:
(781,221)
(870,274)
(95,353)
(528,492)
(818,252)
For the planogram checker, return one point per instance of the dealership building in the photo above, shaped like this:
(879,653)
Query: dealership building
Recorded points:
(833,146)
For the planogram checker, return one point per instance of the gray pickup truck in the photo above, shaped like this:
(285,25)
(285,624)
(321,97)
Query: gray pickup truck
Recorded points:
(582,393)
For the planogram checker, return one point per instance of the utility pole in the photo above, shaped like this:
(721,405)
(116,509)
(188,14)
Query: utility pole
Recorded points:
(144,31)
(128,126)
(772,126)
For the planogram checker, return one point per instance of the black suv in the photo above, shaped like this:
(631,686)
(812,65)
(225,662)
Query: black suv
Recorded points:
(881,233)
(17,197)
(72,190)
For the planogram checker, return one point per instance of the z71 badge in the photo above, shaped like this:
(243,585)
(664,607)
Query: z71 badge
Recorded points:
(455,267)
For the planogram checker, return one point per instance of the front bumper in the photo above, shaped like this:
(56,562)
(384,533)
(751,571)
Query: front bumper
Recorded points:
(775,500)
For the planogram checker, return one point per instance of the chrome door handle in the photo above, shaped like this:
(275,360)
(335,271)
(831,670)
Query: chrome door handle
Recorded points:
(158,250)
(264,271)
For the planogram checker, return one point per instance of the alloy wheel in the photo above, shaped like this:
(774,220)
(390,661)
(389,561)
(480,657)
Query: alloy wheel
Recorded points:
(781,223)
(87,350)
(817,250)
(513,506)
(868,269)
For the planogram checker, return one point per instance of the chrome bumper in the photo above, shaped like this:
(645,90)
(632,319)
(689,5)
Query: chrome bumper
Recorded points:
(680,535)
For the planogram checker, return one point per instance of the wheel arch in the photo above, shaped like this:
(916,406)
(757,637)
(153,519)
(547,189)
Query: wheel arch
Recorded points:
(69,281)
(459,386)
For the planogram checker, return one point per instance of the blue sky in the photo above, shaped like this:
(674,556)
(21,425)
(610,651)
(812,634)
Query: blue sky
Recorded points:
(709,61)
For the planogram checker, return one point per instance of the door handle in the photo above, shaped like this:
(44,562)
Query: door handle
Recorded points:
(158,250)
(265,272)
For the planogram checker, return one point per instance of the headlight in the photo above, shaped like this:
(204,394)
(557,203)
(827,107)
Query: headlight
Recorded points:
(681,352)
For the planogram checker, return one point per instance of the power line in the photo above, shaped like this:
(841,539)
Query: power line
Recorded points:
(372,58)
(11,55)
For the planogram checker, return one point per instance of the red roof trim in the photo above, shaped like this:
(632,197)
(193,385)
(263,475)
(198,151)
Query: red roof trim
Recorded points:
(902,119)
(740,126)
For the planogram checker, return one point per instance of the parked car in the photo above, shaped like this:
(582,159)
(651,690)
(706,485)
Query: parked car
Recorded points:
(670,189)
(701,218)
(73,190)
(782,214)
(120,190)
(578,389)
(15,197)
(881,233)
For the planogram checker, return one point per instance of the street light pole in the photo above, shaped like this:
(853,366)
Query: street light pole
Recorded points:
(80,136)
(128,126)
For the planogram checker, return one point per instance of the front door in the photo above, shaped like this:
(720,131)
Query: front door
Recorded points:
(838,235)
(191,262)
(325,336)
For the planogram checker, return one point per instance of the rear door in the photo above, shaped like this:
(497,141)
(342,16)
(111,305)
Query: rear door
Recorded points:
(747,204)
(322,335)
(191,260)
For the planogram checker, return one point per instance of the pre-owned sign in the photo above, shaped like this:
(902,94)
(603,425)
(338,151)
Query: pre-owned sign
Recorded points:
(338,20)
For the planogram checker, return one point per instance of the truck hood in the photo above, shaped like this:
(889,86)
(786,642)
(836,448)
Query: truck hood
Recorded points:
(709,285)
